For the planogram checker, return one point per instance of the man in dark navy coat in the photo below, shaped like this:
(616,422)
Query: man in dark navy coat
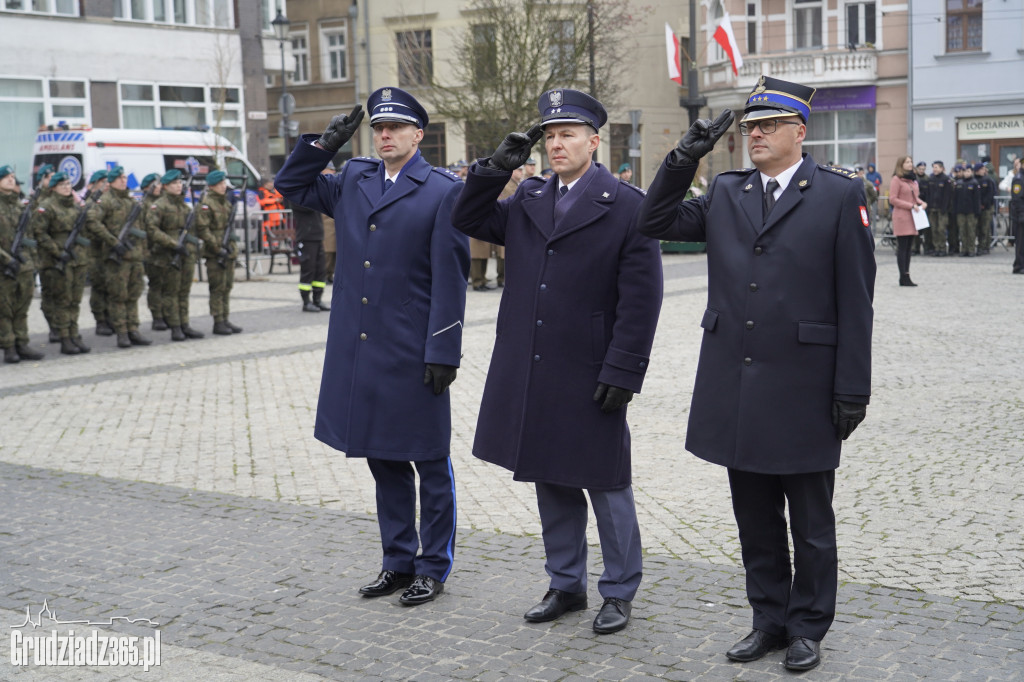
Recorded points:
(785,364)
(573,340)
(395,333)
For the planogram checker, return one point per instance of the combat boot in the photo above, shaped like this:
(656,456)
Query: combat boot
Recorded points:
(103,328)
(123,341)
(307,305)
(67,347)
(177,334)
(191,333)
(159,325)
(235,329)
(82,348)
(317,295)
(26,353)
(221,328)
(137,339)
(54,336)
(11,355)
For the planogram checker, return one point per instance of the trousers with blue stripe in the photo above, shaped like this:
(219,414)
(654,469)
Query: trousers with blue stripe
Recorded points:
(396,514)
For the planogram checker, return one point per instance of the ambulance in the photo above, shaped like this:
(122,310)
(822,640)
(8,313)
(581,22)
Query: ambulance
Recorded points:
(81,151)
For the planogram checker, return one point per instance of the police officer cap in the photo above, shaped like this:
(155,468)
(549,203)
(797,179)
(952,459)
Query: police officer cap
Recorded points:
(97,176)
(571,106)
(921,163)
(772,97)
(978,167)
(625,167)
(43,170)
(531,162)
(57,178)
(114,173)
(938,163)
(170,176)
(215,177)
(8,170)
(149,180)
(395,105)
(957,168)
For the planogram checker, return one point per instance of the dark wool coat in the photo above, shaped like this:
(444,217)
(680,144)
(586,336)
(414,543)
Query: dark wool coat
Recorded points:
(580,306)
(397,304)
(788,321)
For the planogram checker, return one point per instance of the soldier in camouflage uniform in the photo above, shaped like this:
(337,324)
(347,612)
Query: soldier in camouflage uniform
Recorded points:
(16,276)
(121,265)
(152,187)
(211,223)
(61,274)
(42,191)
(164,222)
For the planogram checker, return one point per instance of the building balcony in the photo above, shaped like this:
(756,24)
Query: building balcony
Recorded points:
(830,67)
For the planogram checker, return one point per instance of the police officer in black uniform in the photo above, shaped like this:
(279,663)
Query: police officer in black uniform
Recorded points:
(1017,218)
(967,207)
(940,200)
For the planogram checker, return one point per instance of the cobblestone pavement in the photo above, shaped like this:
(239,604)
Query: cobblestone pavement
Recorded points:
(181,483)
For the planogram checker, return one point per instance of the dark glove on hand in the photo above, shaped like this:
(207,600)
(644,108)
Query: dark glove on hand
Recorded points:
(120,249)
(223,253)
(441,375)
(12,268)
(65,257)
(613,397)
(846,416)
(701,138)
(514,150)
(181,249)
(340,129)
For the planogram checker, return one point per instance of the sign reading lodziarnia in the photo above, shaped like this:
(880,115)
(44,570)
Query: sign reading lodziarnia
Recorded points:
(990,127)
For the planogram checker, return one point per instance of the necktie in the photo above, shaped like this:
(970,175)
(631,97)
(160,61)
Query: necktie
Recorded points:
(769,197)
(562,191)
(388,184)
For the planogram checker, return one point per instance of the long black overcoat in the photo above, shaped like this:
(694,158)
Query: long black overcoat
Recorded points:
(789,315)
(580,306)
(398,302)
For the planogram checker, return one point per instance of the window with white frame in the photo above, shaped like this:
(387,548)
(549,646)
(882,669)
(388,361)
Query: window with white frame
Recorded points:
(334,47)
(67,8)
(562,48)
(268,10)
(752,21)
(156,105)
(216,13)
(300,50)
(807,24)
(860,24)
(716,53)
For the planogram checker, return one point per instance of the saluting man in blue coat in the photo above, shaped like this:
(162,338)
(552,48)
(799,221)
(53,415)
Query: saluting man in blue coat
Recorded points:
(575,327)
(395,334)
(785,365)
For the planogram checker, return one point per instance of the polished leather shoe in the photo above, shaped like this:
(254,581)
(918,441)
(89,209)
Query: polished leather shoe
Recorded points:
(754,646)
(555,604)
(803,654)
(423,589)
(613,616)
(386,583)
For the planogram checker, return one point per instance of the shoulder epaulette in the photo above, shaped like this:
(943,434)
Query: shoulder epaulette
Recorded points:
(623,183)
(365,159)
(454,177)
(738,171)
(838,171)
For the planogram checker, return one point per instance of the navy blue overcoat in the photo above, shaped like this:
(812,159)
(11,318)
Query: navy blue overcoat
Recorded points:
(789,315)
(580,306)
(398,302)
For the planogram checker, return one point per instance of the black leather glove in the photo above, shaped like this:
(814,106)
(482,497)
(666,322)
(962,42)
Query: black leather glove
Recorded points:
(701,138)
(514,150)
(120,249)
(223,254)
(613,397)
(846,416)
(340,129)
(65,257)
(12,268)
(181,249)
(441,375)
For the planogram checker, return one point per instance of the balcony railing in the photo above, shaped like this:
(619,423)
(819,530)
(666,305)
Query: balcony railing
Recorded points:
(837,66)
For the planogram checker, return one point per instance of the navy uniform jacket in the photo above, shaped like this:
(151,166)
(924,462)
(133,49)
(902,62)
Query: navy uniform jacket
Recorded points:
(940,193)
(398,302)
(789,315)
(966,197)
(580,306)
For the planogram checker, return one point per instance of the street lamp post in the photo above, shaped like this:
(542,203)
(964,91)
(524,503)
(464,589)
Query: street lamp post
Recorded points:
(281,24)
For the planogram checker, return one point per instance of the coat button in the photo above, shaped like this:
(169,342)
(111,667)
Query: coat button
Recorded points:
(540,323)
(747,361)
(551,252)
(750,323)
(366,264)
(362,337)
(365,301)
(753,285)
(373,228)
(543,287)
(758,250)
(643,364)
(536,358)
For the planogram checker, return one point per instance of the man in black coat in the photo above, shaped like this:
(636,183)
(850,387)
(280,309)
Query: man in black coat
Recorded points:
(785,364)
(309,243)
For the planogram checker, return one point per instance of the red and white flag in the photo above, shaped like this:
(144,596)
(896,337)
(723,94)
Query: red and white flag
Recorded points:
(675,73)
(724,36)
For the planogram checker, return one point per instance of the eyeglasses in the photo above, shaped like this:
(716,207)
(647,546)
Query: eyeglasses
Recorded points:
(767,126)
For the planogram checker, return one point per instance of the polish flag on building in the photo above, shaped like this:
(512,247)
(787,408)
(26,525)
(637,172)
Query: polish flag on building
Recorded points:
(675,73)
(724,36)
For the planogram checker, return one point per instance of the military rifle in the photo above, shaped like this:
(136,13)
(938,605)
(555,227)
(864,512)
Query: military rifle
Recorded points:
(129,230)
(20,241)
(184,237)
(229,228)
(76,232)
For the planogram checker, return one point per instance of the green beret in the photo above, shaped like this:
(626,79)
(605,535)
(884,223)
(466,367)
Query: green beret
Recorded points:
(97,176)
(149,180)
(43,170)
(5,171)
(57,178)
(170,176)
(625,167)
(115,173)
(215,177)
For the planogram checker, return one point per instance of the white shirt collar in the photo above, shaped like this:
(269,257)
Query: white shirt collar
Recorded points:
(392,178)
(782,178)
(570,185)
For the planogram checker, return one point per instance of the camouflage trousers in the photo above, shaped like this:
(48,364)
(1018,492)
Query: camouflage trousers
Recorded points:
(153,290)
(124,284)
(968,223)
(62,297)
(98,287)
(984,229)
(15,299)
(221,279)
(175,288)
(938,221)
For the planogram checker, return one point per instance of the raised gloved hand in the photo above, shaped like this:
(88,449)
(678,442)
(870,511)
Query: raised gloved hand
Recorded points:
(340,129)
(846,416)
(514,150)
(701,138)
(613,397)
(441,375)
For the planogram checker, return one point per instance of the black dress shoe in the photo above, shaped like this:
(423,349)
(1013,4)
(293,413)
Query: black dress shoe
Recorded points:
(613,616)
(555,604)
(754,646)
(803,654)
(386,583)
(423,589)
